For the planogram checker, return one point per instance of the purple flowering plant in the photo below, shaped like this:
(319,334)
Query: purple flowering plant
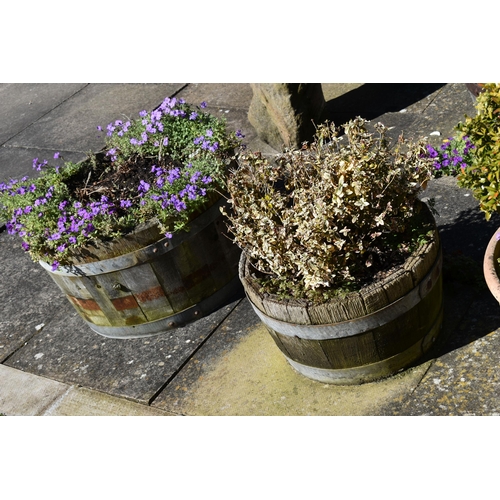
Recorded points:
(163,166)
(454,154)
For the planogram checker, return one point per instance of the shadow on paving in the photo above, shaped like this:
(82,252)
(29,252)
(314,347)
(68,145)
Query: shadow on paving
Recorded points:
(470,311)
(375,99)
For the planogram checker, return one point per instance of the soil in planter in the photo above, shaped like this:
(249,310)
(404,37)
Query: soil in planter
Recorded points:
(100,177)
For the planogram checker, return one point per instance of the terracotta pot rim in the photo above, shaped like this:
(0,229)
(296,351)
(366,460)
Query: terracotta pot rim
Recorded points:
(490,265)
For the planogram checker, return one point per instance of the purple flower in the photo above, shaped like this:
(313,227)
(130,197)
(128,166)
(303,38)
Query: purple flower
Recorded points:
(203,105)
(25,246)
(432,152)
(125,203)
(193,115)
(55,237)
(165,141)
(173,175)
(239,134)
(143,187)
(55,265)
(143,113)
(56,155)
(156,115)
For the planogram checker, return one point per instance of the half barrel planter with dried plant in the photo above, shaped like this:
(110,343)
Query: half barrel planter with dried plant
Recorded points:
(293,219)
(365,335)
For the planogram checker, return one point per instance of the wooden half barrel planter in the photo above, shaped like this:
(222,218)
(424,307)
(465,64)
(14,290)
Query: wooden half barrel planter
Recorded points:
(365,335)
(144,284)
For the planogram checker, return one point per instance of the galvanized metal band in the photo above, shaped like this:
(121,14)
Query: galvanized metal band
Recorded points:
(144,254)
(358,325)
(207,306)
(372,371)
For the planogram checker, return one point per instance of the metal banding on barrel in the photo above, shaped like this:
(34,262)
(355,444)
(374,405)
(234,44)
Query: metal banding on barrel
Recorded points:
(161,286)
(373,371)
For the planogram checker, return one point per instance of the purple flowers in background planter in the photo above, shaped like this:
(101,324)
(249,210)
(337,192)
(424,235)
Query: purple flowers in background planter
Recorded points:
(451,156)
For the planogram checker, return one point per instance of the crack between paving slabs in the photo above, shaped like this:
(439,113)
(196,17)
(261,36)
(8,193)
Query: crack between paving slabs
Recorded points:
(163,386)
(49,111)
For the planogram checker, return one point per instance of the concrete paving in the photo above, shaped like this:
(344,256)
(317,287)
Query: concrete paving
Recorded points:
(51,363)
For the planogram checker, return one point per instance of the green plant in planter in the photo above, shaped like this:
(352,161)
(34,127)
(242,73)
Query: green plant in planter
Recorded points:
(331,215)
(163,166)
(482,173)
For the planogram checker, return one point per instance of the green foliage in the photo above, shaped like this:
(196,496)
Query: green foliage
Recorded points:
(482,176)
(317,219)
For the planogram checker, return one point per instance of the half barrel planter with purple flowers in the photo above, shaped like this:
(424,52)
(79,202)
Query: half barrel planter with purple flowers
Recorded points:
(160,273)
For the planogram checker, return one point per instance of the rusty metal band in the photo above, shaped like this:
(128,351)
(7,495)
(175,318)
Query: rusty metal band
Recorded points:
(144,254)
(358,325)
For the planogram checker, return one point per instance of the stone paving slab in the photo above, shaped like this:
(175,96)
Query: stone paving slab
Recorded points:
(24,103)
(79,401)
(373,100)
(465,378)
(67,350)
(27,296)
(25,394)
(71,126)
(37,120)
(246,375)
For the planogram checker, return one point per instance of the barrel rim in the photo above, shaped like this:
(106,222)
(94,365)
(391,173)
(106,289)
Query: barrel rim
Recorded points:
(141,255)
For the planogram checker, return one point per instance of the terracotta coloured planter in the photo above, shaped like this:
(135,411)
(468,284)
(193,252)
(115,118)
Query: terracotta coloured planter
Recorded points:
(491,267)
